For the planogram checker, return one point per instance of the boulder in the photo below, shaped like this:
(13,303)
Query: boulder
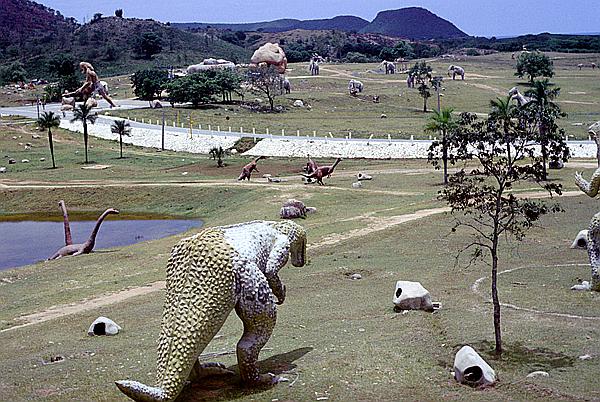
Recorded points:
(411,296)
(270,53)
(357,184)
(584,285)
(35,136)
(12,161)
(355,277)
(25,161)
(2,169)
(103,326)
(293,209)
(580,241)
(471,369)
(361,176)
(298,103)
(556,165)
(538,374)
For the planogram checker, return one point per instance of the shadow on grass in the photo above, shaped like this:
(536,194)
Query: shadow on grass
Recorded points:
(219,388)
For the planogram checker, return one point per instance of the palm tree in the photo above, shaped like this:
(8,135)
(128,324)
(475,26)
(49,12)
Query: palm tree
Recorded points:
(546,111)
(84,115)
(49,120)
(122,128)
(503,111)
(217,153)
(443,122)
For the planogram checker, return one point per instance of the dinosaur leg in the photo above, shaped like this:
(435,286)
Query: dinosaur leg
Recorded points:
(203,370)
(257,311)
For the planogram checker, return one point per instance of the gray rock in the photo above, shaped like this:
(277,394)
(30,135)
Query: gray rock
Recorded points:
(538,374)
(584,285)
(357,184)
(411,296)
(2,169)
(11,161)
(585,357)
(42,159)
(471,369)
(580,241)
(35,136)
(355,277)
(25,161)
(103,326)
(361,176)
(298,103)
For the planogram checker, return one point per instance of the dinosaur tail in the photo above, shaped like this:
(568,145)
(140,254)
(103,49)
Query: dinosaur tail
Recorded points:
(200,294)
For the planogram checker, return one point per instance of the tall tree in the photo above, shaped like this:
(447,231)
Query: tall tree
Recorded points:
(534,64)
(121,127)
(266,81)
(422,75)
(49,120)
(148,44)
(481,200)
(84,114)
(148,84)
(544,113)
(195,88)
(444,123)
(503,111)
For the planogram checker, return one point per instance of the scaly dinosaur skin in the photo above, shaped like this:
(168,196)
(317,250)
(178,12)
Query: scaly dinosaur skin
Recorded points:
(594,251)
(208,275)
(590,188)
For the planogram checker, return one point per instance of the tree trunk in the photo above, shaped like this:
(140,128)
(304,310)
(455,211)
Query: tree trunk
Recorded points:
(85,140)
(51,147)
(121,145)
(495,300)
(445,157)
(544,160)
(424,105)
(271,102)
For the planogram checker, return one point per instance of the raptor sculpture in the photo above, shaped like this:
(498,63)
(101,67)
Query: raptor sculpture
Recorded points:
(322,171)
(249,168)
(83,248)
(208,275)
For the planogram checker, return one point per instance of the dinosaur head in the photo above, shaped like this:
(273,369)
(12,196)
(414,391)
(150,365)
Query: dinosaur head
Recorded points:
(297,237)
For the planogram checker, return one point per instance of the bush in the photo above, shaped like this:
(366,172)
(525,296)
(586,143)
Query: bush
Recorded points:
(14,72)
(355,57)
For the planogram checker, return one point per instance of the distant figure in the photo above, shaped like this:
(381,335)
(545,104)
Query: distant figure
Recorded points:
(355,86)
(92,85)
(313,67)
(410,81)
(456,70)
(249,168)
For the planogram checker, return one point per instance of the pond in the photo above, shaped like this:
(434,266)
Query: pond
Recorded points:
(26,239)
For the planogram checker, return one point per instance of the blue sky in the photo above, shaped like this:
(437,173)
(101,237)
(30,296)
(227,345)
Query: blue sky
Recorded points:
(476,17)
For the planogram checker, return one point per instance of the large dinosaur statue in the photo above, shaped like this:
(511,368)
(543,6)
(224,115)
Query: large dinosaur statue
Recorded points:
(593,236)
(249,168)
(208,275)
(322,171)
(83,248)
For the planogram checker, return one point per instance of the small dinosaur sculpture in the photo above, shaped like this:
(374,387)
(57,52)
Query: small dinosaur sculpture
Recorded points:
(322,171)
(590,188)
(293,209)
(83,248)
(208,275)
(249,168)
(311,166)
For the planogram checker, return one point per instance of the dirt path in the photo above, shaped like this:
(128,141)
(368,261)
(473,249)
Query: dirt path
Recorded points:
(489,88)
(476,285)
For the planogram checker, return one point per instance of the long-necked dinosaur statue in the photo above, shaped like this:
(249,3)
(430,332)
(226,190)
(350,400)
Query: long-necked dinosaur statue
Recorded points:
(208,275)
(83,248)
(591,188)
(322,171)
(249,168)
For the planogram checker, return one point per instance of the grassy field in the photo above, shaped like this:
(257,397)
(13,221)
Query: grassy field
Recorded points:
(335,337)
(335,111)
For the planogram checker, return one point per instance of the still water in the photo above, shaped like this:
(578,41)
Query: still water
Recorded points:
(31,239)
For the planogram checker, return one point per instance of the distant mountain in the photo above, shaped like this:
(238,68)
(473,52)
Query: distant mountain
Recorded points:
(413,23)
(340,23)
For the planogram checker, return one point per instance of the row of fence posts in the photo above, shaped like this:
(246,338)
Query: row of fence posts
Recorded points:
(179,123)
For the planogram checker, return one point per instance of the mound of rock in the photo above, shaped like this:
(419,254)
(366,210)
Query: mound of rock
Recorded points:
(471,369)
(411,296)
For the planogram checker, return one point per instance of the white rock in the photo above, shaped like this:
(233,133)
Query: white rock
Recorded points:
(233,151)
(538,374)
(184,173)
(361,176)
(35,136)
(42,159)
(103,326)
(411,296)
(357,184)
(585,357)
(384,116)
(355,277)
(298,103)
(2,169)
(25,161)
(580,241)
(584,285)
(471,369)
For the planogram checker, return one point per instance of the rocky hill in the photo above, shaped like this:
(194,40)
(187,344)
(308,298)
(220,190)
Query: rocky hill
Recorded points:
(33,34)
(413,23)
